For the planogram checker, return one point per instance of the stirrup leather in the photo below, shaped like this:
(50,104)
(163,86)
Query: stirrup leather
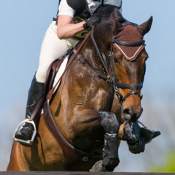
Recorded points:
(28,142)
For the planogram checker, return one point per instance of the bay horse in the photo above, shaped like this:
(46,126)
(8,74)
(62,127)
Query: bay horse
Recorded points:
(98,94)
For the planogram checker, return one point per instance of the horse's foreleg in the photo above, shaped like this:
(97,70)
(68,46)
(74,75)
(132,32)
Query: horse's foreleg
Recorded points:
(111,143)
(89,119)
(16,159)
(109,122)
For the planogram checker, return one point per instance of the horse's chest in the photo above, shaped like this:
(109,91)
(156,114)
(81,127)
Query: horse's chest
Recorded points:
(100,99)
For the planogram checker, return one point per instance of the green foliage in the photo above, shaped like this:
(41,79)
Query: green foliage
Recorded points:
(168,166)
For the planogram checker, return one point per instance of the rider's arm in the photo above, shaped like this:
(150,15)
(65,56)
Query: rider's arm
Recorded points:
(65,28)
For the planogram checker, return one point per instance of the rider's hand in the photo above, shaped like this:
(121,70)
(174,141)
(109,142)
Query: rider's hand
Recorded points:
(91,22)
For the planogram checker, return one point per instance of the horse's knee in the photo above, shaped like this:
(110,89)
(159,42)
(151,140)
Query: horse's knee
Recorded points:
(110,152)
(109,122)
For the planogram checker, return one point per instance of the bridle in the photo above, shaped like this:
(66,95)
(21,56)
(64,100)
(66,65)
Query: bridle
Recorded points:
(112,78)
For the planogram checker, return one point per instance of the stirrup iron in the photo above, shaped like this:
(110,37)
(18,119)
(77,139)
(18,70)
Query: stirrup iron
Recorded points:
(28,142)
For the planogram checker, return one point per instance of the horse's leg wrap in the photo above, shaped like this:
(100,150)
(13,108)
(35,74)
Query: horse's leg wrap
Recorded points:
(110,151)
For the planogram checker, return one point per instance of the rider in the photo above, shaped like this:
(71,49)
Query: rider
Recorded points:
(59,38)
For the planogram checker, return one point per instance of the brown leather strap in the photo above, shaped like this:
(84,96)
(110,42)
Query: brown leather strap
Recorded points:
(38,107)
(49,96)
(51,73)
(87,64)
(99,74)
(69,152)
(111,95)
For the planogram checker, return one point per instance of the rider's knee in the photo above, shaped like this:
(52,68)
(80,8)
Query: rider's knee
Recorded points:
(41,74)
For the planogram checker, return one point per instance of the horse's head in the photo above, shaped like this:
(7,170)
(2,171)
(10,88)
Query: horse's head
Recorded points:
(129,56)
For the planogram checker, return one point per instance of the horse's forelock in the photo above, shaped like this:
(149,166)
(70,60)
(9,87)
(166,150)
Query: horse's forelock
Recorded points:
(103,30)
(104,12)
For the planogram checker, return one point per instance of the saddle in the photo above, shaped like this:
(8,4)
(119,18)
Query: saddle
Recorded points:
(52,71)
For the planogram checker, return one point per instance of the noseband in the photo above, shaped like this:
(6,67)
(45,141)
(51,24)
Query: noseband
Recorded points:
(112,78)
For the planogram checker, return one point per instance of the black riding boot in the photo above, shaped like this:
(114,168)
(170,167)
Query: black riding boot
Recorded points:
(35,94)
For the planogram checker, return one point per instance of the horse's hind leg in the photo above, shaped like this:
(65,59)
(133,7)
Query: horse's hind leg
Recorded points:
(110,151)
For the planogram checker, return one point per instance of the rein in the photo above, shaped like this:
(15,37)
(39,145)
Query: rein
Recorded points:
(69,151)
(50,94)
(112,78)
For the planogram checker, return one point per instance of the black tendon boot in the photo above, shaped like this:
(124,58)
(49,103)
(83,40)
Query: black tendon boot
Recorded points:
(35,94)
(110,152)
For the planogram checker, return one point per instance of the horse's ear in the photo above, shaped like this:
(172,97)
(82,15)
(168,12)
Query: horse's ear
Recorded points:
(115,25)
(145,27)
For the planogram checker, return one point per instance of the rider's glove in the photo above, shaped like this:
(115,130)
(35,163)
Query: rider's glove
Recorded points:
(91,22)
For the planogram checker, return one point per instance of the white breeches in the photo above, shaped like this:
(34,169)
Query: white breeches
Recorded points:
(52,48)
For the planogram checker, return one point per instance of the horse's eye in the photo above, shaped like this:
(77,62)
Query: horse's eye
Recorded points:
(116,60)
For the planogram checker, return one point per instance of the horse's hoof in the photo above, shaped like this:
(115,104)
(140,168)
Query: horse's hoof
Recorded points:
(98,167)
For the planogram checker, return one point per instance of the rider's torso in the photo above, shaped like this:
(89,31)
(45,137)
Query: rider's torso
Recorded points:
(82,9)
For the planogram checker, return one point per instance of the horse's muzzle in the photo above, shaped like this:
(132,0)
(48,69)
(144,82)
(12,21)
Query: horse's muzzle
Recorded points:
(131,115)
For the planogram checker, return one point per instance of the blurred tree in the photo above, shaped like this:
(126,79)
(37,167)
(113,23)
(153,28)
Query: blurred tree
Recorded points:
(168,166)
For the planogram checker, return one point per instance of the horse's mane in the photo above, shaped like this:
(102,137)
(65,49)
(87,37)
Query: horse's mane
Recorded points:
(104,12)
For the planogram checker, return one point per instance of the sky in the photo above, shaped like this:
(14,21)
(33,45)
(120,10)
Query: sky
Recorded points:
(23,24)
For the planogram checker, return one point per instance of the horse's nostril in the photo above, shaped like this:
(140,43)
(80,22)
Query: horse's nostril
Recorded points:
(130,115)
(127,114)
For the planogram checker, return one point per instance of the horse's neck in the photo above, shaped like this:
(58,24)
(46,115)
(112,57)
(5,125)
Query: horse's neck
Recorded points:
(90,54)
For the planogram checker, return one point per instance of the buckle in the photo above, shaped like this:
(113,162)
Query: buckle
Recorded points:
(108,78)
(85,159)
(27,142)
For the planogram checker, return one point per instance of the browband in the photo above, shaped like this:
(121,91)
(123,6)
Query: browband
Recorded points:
(124,43)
